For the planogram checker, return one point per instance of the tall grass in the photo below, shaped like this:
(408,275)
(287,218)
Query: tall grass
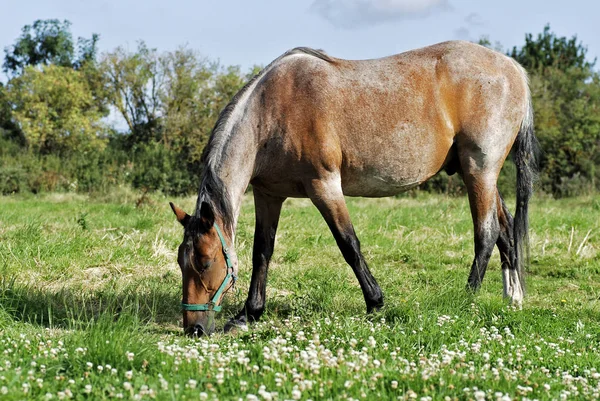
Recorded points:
(90,291)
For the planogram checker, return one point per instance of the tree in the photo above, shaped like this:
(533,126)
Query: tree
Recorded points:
(8,129)
(188,82)
(551,51)
(56,111)
(48,42)
(566,97)
(134,84)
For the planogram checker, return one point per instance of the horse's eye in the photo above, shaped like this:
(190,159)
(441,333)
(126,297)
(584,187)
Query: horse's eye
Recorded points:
(207,264)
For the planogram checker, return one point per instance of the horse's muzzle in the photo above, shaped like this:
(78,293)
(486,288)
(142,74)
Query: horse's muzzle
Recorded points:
(199,329)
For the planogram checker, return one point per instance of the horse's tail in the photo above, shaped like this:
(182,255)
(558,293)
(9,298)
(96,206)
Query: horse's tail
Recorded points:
(526,149)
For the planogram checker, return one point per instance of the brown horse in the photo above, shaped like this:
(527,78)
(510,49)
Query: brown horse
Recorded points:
(310,125)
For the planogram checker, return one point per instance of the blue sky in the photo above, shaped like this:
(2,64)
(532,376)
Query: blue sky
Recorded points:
(248,32)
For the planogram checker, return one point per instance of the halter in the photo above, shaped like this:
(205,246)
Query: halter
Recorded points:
(212,304)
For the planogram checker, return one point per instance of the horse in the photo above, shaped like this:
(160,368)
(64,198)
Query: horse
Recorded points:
(313,126)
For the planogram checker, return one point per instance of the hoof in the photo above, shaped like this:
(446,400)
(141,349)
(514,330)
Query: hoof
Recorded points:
(517,303)
(235,325)
(375,306)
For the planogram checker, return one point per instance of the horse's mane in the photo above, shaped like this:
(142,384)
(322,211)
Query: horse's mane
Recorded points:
(212,189)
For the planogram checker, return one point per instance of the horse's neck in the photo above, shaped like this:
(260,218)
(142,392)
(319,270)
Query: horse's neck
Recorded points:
(233,166)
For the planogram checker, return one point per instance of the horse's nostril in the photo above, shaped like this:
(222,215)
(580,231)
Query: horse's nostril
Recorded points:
(195,331)
(198,331)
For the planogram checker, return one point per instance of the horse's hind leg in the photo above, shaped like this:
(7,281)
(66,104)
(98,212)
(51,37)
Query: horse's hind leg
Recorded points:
(481,186)
(328,197)
(505,243)
(267,210)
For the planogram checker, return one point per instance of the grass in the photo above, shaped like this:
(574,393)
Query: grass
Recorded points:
(90,292)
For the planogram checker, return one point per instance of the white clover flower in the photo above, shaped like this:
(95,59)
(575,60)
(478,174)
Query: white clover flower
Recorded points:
(203,396)
(89,365)
(479,395)
(130,355)
(296,394)
(394,384)
(127,386)
(48,396)
(100,368)
(192,383)
(88,388)
(129,374)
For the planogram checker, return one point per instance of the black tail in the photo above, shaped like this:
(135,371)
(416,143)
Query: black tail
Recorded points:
(526,151)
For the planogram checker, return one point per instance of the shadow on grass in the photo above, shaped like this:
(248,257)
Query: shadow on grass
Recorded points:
(155,304)
(71,308)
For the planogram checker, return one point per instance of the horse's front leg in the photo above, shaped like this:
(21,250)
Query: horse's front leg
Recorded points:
(328,197)
(267,210)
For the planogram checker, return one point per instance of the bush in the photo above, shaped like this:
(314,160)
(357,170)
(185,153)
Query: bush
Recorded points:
(157,168)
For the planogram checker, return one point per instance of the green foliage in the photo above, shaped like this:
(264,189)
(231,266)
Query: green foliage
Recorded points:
(56,111)
(567,105)
(48,42)
(132,85)
(170,102)
(550,51)
(566,97)
(157,168)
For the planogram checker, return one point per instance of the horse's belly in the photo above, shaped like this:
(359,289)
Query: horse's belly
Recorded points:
(392,167)
(372,183)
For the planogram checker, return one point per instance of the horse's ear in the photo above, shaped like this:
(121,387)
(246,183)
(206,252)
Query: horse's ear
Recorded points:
(207,216)
(182,216)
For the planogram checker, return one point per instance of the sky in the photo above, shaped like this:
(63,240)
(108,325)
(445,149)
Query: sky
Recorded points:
(254,32)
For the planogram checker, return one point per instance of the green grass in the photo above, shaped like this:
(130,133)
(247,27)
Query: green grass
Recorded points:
(90,292)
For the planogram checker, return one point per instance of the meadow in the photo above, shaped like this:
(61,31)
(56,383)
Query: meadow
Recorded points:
(90,293)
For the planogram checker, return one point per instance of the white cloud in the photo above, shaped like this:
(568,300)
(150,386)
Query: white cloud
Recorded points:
(351,14)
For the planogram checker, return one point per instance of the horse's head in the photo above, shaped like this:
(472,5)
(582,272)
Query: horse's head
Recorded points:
(206,268)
